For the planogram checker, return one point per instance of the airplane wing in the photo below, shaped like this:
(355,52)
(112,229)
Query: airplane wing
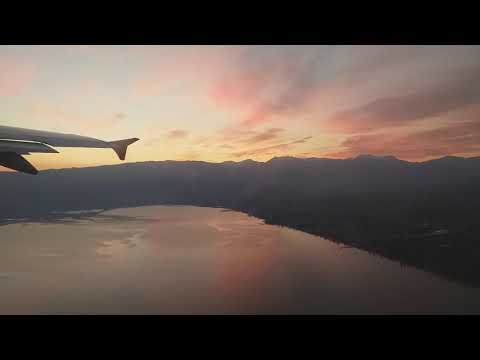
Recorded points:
(15,142)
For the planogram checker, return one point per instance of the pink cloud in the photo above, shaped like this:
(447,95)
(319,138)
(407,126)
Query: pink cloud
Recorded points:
(452,139)
(15,77)
(268,82)
(195,66)
(457,91)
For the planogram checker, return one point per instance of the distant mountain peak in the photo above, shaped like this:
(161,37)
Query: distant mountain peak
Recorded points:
(248,161)
(450,157)
(374,157)
(283,158)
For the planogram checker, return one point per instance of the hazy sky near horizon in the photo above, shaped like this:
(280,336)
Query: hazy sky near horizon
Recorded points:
(221,103)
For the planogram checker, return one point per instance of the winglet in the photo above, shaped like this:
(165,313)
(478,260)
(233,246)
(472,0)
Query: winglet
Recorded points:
(120,146)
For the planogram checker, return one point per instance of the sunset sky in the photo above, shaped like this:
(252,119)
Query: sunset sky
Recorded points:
(222,103)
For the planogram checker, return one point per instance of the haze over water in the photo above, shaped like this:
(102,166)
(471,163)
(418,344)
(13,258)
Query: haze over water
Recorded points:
(192,260)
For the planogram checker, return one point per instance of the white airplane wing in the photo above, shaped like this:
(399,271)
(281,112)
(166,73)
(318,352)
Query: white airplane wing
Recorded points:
(15,142)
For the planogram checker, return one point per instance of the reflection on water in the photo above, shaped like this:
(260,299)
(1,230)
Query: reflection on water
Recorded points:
(182,259)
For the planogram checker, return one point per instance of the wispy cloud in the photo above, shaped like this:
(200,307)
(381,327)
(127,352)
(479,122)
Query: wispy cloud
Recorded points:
(458,91)
(269,150)
(272,81)
(454,139)
(241,136)
(268,80)
(226,146)
(177,134)
(266,135)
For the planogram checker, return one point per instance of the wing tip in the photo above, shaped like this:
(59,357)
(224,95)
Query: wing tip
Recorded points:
(120,146)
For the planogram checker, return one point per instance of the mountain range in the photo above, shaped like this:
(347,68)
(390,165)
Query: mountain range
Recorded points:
(422,214)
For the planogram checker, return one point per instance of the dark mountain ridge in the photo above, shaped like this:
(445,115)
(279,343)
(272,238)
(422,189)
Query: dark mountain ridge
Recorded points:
(423,214)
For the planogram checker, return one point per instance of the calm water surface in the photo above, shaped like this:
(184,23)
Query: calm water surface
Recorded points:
(191,260)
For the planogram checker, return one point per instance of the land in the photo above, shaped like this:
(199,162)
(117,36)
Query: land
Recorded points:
(421,214)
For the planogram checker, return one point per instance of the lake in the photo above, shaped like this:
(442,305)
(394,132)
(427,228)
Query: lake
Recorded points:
(193,260)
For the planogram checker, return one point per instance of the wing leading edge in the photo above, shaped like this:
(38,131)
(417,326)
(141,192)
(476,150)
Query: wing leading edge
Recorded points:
(15,142)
